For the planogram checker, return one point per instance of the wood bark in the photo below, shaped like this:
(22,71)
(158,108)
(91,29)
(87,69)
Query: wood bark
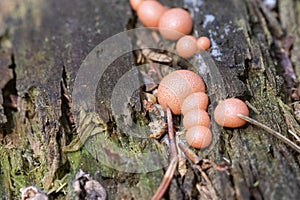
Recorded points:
(43,44)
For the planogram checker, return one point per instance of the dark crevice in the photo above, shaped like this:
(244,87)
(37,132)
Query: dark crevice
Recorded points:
(255,190)
(9,94)
(66,119)
(280,52)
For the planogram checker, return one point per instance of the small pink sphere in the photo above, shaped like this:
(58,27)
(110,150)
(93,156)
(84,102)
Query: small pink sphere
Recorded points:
(197,100)
(175,23)
(203,43)
(196,117)
(225,113)
(186,46)
(149,13)
(176,86)
(199,137)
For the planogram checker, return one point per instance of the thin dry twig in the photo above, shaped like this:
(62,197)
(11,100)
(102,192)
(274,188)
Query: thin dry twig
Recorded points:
(295,135)
(166,180)
(189,153)
(174,160)
(204,176)
(271,131)
(252,107)
(173,148)
(201,165)
(195,159)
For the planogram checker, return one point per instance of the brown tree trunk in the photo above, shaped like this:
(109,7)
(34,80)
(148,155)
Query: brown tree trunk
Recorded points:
(43,45)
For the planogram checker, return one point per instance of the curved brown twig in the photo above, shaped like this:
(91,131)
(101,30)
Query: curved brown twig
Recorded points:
(271,131)
(174,160)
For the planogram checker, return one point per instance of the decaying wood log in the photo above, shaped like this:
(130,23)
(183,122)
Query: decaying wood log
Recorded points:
(43,44)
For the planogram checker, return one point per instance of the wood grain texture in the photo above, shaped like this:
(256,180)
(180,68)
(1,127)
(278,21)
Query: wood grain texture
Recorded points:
(49,37)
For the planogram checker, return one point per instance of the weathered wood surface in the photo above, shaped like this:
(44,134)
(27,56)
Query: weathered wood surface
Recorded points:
(38,38)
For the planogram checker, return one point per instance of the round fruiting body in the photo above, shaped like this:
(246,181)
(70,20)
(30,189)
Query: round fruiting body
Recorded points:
(176,86)
(186,46)
(135,3)
(150,12)
(198,100)
(175,23)
(196,118)
(199,137)
(225,113)
(203,43)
